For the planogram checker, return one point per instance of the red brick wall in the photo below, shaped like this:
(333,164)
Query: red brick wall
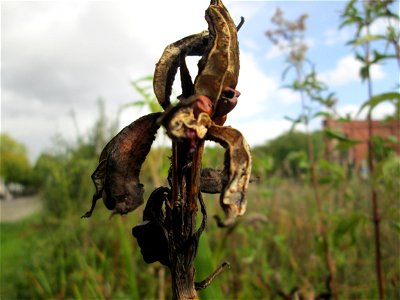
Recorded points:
(358,130)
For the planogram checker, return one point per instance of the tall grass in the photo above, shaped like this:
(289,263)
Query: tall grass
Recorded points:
(273,250)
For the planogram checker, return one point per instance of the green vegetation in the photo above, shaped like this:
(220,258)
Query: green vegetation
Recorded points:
(274,249)
(287,154)
(14,163)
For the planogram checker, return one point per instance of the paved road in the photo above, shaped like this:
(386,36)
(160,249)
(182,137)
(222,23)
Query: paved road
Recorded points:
(19,208)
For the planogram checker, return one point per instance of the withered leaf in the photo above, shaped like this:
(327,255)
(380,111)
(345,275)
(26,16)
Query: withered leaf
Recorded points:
(237,166)
(100,172)
(117,177)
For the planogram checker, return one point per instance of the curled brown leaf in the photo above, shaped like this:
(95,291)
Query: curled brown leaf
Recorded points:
(237,166)
(117,177)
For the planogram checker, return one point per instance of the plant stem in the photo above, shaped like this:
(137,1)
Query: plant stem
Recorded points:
(374,195)
(316,189)
(181,213)
(322,227)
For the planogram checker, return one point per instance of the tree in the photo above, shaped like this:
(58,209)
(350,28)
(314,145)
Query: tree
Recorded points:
(14,163)
(281,147)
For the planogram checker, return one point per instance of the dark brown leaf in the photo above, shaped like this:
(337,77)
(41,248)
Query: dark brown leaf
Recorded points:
(117,177)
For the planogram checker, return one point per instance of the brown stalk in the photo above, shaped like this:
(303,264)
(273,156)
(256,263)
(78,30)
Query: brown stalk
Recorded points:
(182,209)
(374,196)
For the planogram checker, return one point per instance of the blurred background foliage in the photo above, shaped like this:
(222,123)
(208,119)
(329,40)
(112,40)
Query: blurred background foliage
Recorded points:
(275,251)
(14,163)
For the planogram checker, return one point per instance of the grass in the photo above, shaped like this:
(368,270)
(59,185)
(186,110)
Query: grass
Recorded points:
(14,238)
(273,249)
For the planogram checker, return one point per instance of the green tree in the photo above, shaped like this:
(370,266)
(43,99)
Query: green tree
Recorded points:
(281,150)
(64,174)
(14,162)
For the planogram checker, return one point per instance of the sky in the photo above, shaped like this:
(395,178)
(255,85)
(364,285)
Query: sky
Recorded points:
(58,58)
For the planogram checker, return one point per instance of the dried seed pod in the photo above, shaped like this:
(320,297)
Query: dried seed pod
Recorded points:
(237,169)
(232,73)
(214,64)
(169,62)
(227,102)
(211,181)
(150,233)
(196,45)
(99,175)
(219,67)
(117,177)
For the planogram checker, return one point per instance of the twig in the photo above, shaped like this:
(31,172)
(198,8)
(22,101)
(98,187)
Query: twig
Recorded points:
(206,282)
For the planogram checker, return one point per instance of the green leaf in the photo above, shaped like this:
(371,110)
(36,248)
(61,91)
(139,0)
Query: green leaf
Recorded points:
(351,42)
(295,122)
(347,226)
(364,72)
(378,99)
(139,103)
(380,56)
(396,225)
(367,39)
(330,173)
(337,135)
(324,114)
(360,57)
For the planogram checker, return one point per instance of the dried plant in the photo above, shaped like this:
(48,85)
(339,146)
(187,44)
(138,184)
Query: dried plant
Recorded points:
(168,233)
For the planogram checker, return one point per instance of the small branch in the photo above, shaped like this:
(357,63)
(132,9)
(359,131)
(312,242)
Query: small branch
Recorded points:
(206,282)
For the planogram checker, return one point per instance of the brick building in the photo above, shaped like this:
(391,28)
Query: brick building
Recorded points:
(358,130)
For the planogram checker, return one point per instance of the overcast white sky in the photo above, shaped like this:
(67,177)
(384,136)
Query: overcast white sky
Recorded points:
(62,56)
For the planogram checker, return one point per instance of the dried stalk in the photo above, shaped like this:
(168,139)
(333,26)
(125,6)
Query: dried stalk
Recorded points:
(374,196)
(181,213)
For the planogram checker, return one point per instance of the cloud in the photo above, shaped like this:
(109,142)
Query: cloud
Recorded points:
(260,94)
(281,49)
(380,26)
(81,51)
(259,131)
(347,71)
(62,56)
(334,37)
(380,112)
(242,8)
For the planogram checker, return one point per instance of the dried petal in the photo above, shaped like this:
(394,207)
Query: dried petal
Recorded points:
(183,121)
